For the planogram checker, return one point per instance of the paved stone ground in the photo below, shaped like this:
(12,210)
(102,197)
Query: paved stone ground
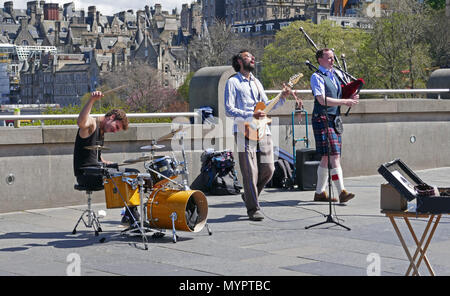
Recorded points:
(40,242)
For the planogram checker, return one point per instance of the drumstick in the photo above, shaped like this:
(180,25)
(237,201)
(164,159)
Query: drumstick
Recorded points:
(114,89)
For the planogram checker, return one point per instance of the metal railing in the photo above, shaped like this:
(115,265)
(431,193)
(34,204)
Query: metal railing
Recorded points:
(196,115)
(384,92)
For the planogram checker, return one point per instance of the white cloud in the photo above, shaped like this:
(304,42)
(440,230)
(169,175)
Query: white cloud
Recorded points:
(109,7)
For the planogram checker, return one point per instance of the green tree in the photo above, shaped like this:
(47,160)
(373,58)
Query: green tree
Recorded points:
(437,35)
(401,55)
(287,54)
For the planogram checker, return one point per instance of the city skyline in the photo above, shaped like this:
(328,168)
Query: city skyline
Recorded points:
(107,7)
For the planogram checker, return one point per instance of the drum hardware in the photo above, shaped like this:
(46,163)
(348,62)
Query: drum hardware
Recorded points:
(151,170)
(137,226)
(136,160)
(97,148)
(152,147)
(133,183)
(174,217)
(185,172)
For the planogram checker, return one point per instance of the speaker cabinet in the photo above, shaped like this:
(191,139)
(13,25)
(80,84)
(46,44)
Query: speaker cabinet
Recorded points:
(306,163)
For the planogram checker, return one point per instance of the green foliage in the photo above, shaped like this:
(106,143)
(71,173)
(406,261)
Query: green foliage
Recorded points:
(286,56)
(397,53)
(436,4)
(183,91)
(98,108)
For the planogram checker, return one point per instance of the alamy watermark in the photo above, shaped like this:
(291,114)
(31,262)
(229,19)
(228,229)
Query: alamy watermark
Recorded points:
(74,267)
(219,135)
(374,267)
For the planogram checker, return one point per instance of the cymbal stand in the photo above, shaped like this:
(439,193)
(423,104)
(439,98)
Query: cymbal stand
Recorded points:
(139,181)
(152,151)
(185,171)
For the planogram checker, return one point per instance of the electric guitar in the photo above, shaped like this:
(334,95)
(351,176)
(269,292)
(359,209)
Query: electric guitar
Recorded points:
(256,128)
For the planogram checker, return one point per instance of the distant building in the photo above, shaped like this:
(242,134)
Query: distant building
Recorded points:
(89,44)
(214,9)
(4,84)
(58,79)
(262,33)
(250,12)
(355,13)
(191,18)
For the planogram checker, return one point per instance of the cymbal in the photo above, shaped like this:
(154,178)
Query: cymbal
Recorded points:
(173,133)
(152,147)
(136,160)
(96,147)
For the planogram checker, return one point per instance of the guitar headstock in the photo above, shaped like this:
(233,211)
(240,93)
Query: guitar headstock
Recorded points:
(295,79)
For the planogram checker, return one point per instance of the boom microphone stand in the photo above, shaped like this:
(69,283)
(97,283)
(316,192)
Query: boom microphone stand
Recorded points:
(329,216)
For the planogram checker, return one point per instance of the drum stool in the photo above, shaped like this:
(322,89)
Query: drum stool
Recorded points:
(92,219)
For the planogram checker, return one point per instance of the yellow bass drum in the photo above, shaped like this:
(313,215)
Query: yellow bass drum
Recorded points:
(189,208)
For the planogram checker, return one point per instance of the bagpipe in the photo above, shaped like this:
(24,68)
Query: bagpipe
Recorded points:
(349,84)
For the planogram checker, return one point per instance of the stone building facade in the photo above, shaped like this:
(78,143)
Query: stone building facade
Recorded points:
(150,35)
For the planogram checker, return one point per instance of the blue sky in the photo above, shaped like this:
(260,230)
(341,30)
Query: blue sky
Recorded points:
(109,7)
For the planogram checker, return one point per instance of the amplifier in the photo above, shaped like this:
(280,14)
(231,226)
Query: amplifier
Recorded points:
(306,163)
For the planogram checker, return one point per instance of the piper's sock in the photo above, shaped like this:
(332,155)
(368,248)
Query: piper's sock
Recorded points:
(322,178)
(338,180)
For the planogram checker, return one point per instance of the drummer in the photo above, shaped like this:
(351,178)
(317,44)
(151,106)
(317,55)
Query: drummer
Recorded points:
(91,132)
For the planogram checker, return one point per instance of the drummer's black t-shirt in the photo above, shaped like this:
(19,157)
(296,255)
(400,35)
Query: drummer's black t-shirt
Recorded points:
(83,157)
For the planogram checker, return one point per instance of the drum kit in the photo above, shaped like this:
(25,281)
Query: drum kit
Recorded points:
(164,203)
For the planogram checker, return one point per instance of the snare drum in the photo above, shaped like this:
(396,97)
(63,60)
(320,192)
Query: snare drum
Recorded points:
(166,166)
(190,207)
(121,189)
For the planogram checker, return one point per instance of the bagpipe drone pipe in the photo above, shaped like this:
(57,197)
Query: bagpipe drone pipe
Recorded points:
(350,85)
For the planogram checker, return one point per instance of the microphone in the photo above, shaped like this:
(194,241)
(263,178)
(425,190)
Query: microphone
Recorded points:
(311,66)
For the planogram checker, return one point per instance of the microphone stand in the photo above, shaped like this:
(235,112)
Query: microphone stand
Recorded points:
(329,216)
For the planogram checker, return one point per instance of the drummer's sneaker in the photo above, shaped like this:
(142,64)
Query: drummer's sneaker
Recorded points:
(345,196)
(323,196)
(127,219)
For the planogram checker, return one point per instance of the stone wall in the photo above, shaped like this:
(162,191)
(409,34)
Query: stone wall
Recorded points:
(39,159)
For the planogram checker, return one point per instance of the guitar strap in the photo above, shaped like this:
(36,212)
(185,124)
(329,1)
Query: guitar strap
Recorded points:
(259,90)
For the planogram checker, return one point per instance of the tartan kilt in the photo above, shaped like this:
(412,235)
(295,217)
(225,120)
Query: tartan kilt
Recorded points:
(320,135)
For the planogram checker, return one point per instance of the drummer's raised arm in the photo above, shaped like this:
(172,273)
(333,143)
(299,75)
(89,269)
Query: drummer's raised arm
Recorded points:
(85,122)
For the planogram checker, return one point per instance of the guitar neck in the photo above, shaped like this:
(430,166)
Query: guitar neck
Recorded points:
(272,103)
